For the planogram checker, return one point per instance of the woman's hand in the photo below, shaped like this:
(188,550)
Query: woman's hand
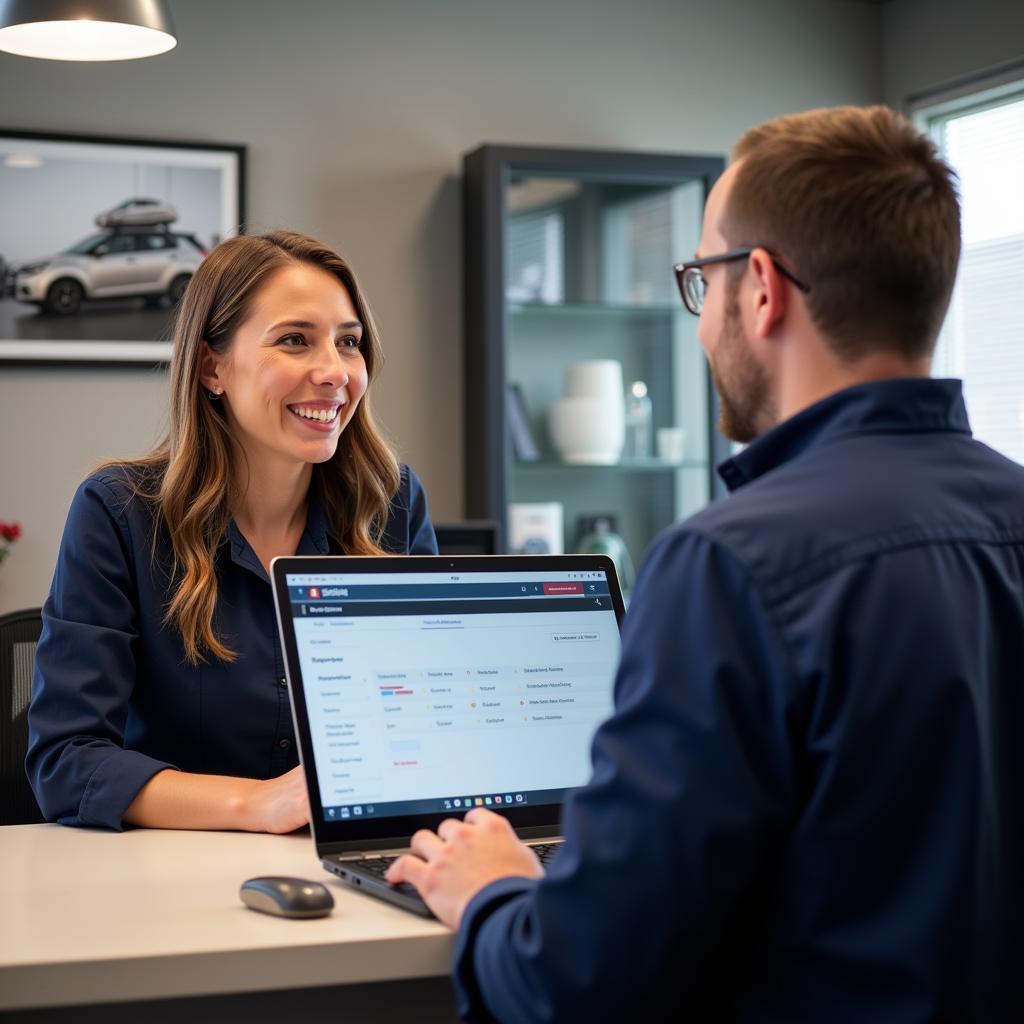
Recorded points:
(173,799)
(279,805)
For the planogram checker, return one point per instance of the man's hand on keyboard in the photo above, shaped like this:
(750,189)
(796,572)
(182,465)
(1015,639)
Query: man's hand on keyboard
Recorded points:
(449,867)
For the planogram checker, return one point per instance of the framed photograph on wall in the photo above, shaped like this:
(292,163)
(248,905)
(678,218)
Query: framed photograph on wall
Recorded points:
(99,237)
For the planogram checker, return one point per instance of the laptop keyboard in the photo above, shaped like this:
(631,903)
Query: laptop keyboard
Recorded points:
(545,851)
(378,866)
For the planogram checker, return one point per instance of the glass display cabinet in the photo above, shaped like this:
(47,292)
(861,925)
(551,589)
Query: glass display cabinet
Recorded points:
(588,403)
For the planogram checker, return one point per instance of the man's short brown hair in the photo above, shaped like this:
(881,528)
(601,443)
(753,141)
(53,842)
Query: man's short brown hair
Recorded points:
(857,203)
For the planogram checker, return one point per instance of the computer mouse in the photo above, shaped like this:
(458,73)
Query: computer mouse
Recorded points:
(287,897)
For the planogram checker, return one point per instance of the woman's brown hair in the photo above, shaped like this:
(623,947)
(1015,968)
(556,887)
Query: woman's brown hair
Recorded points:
(188,478)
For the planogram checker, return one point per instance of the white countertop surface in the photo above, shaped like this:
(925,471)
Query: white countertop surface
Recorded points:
(93,916)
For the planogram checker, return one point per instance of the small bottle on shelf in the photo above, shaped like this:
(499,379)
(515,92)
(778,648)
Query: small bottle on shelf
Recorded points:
(598,537)
(638,422)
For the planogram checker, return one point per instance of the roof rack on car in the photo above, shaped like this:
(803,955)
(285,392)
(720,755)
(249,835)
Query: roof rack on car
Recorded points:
(135,229)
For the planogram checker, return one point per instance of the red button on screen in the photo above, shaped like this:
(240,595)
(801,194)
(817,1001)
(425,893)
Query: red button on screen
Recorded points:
(563,588)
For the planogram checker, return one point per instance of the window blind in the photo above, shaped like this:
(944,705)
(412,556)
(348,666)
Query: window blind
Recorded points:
(535,257)
(982,340)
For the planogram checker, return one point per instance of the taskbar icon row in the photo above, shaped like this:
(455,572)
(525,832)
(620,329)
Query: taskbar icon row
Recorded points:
(349,812)
(465,803)
(459,803)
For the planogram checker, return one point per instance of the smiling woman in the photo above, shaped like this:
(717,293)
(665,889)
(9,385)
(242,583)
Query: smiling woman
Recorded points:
(295,371)
(159,648)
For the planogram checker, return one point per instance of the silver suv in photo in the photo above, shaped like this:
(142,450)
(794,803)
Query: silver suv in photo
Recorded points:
(152,263)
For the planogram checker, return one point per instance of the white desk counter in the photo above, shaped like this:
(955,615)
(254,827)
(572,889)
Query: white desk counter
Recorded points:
(90,917)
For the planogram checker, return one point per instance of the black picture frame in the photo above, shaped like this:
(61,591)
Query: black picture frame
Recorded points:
(141,211)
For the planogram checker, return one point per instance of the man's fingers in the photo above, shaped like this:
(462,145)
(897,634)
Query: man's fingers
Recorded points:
(426,844)
(480,816)
(449,828)
(407,869)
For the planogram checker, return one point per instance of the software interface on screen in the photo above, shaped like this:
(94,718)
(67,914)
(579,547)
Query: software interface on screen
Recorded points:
(440,691)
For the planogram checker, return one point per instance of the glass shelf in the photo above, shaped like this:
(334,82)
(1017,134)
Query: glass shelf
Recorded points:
(622,466)
(593,311)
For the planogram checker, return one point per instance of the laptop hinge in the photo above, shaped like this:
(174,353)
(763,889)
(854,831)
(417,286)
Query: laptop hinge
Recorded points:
(539,833)
(366,855)
(539,840)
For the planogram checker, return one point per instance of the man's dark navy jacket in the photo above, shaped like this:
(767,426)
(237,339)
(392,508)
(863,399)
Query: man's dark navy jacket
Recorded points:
(809,803)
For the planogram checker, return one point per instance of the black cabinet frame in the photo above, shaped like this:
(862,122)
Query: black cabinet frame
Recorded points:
(487,172)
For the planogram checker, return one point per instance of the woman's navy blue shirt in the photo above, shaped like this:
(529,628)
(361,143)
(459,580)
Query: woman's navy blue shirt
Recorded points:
(113,699)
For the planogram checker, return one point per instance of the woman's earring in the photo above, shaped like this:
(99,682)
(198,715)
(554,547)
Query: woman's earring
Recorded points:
(214,395)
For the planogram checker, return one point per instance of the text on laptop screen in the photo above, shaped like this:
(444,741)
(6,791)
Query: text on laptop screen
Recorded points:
(441,691)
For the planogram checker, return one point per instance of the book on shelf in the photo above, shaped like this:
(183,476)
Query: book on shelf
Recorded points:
(524,444)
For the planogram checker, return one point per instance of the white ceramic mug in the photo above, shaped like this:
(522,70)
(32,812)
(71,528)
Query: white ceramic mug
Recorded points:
(670,442)
(588,430)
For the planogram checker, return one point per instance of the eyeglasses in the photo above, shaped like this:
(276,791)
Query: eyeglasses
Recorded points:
(693,287)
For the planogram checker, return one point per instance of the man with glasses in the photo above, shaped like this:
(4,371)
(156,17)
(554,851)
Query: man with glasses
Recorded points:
(809,802)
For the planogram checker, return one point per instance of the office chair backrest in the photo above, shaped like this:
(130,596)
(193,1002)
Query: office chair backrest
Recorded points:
(19,634)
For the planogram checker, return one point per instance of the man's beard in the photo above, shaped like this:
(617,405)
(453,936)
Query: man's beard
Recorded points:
(745,407)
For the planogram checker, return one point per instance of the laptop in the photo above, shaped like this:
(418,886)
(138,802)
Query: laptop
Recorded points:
(424,686)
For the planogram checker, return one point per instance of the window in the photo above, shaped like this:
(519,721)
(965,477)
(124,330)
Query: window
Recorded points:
(644,236)
(640,250)
(535,257)
(535,253)
(982,340)
(161,241)
(115,244)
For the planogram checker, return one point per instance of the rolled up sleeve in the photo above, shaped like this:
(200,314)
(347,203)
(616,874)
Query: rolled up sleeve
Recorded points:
(85,671)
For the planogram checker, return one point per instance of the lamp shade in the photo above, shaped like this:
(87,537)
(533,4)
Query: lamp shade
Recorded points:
(85,29)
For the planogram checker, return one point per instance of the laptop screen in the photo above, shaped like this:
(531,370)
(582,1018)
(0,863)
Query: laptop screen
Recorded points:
(432,692)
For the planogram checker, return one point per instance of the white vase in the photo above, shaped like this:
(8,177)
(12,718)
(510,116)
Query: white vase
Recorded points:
(585,429)
(596,378)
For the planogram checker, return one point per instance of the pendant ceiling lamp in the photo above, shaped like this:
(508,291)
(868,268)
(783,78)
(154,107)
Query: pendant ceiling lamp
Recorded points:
(85,29)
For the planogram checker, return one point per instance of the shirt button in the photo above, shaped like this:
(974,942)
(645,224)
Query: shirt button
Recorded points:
(284,744)
(283,681)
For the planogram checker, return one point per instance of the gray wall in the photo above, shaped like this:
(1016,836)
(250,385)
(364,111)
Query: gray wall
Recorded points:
(356,116)
(928,43)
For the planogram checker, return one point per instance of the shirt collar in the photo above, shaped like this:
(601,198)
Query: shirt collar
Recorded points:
(905,405)
(315,538)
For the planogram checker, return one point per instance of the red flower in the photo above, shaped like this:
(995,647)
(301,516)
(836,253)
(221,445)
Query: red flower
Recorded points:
(10,532)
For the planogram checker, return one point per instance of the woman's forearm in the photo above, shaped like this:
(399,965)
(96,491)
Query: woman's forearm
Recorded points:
(173,799)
